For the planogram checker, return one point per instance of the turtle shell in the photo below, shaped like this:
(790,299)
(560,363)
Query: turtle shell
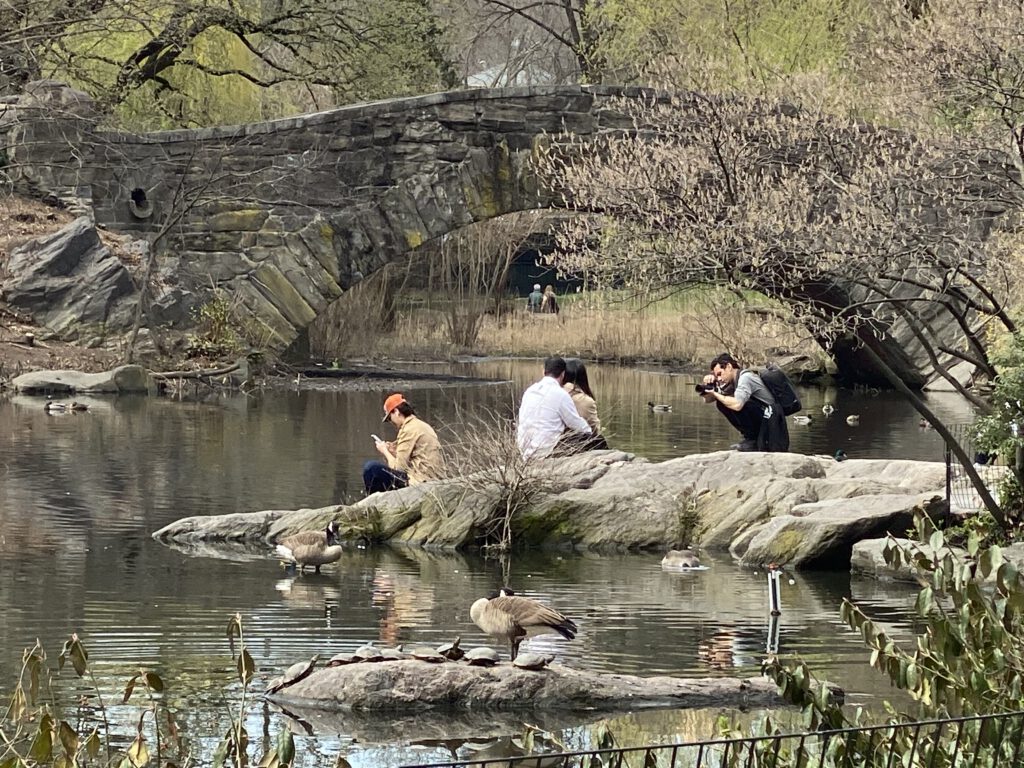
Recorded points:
(369,653)
(451,651)
(427,654)
(482,657)
(392,654)
(339,659)
(532,660)
(296,672)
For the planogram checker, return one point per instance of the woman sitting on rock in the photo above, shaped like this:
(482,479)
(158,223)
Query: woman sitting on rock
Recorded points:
(577,384)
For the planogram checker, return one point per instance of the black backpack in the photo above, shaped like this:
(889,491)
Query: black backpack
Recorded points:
(778,383)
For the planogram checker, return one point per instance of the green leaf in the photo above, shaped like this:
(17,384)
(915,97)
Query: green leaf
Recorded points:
(129,689)
(68,738)
(93,745)
(42,745)
(138,752)
(246,667)
(154,681)
(285,747)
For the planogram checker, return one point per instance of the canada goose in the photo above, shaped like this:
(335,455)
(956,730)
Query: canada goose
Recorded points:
(840,455)
(828,409)
(680,558)
(659,407)
(802,418)
(853,419)
(314,548)
(507,615)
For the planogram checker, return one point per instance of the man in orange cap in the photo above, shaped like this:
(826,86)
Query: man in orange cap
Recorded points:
(414,457)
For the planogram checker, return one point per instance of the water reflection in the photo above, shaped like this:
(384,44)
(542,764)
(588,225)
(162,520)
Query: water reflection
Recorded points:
(80,494)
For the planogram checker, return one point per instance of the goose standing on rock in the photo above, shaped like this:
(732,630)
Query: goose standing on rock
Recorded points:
(314,548)
(505,614)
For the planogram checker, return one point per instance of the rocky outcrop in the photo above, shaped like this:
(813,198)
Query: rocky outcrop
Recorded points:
(124,379)
(806,511)
(407,685)
(70,282)
(868,559)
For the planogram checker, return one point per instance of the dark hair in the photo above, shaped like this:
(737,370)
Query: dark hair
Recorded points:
(405,409)
(723,360)
(576,373)
(554,366)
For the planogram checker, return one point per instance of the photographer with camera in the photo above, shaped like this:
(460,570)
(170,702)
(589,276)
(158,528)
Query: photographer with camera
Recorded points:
(747,403)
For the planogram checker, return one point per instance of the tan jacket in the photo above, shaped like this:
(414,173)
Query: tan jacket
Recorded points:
(417,451)
(586,406)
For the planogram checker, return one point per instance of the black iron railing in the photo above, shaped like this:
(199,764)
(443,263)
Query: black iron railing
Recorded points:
(988,741)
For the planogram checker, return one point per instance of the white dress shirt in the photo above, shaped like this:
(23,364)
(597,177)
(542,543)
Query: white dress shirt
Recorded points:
(544,414)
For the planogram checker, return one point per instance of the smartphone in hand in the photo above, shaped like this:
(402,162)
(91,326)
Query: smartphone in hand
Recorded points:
(376,439)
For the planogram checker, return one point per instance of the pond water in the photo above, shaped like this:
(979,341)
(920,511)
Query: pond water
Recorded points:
(80,495)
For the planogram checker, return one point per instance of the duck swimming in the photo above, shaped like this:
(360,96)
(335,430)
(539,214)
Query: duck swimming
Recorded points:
(54,407)
(828,409)
(840,455)
(801,418)
(853,419)
(659,407)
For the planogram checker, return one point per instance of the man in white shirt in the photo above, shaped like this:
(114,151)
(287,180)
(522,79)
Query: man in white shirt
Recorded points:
(547,412)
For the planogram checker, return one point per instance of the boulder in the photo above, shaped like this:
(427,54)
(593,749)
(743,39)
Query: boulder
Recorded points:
(70,282)
(822,534)
(413,685)
(124,379)
(804,510)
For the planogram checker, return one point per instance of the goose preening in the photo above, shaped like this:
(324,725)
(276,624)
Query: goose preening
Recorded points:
(853,419)
(680,558)
(506,615)
(828,409)
(802,418)
(659,407)
(314,548)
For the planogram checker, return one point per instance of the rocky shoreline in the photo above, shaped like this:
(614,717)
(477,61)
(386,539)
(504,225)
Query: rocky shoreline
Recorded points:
(804,511)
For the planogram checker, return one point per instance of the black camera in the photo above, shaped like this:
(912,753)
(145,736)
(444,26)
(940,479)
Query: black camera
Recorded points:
(700,389)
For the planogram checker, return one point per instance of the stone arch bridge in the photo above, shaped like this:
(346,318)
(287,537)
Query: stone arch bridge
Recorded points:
(286,215)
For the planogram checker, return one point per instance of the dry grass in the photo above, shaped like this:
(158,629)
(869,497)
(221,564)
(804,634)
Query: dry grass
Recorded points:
(671,331)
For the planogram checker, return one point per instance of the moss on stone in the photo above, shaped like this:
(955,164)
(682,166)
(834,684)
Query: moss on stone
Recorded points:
(244,220)
(413,238)
(787,545)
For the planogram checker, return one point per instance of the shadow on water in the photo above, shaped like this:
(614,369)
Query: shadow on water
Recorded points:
(81,493)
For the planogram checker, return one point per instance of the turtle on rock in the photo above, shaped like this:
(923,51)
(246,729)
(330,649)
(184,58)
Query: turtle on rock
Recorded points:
(428,654)
(345,657)
(482,657)
(296,672)
(532,660)
(451,651)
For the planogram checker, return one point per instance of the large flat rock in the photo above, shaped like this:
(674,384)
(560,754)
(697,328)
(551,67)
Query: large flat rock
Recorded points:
(412,685)
(805,511)
(124,379)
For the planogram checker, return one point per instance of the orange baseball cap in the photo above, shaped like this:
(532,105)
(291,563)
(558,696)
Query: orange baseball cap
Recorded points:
(391,403)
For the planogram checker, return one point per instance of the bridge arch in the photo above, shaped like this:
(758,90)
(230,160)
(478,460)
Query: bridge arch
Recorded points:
(286,215)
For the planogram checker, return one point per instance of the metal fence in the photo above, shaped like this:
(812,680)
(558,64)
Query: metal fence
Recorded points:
(989,741)
(960,491)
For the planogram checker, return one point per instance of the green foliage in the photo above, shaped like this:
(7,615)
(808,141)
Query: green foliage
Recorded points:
(737,45)
(35,733)
(218,334)
(1002,430)
(967,660)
